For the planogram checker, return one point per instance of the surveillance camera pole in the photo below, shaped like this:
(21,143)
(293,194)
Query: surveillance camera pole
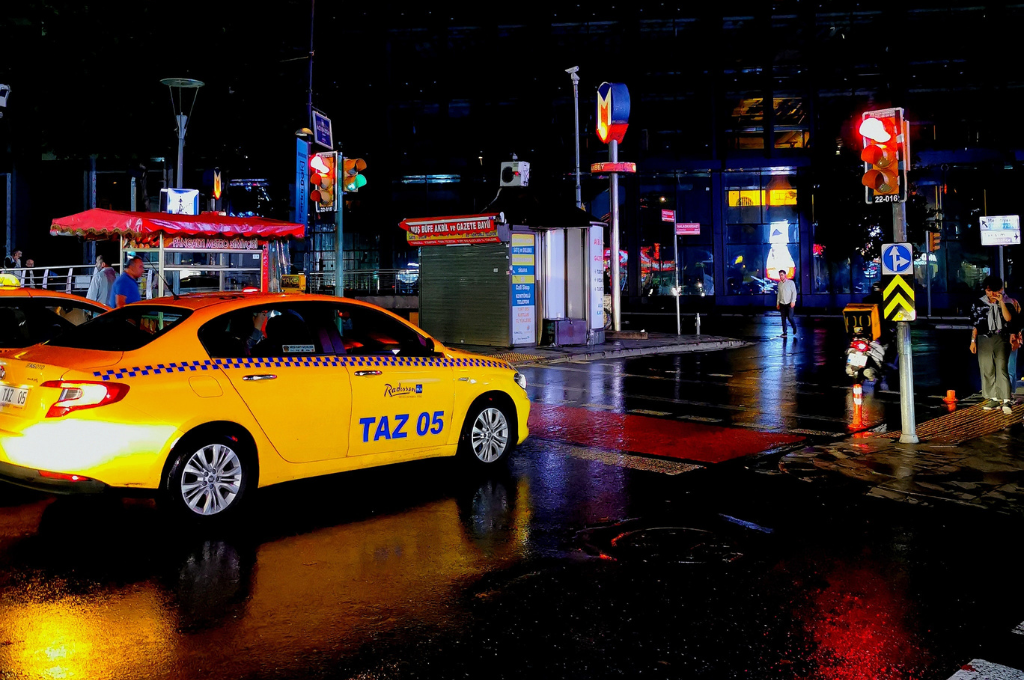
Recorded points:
(576,100)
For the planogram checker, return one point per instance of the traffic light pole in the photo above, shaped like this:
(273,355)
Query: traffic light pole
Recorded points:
(339,241)
(909,425)
(928,269)
(613,198)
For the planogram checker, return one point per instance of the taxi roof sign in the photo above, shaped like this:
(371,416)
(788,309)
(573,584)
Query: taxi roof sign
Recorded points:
(9,281)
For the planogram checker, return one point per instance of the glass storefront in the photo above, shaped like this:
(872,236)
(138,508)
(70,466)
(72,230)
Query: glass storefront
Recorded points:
(762,230)
(665,202)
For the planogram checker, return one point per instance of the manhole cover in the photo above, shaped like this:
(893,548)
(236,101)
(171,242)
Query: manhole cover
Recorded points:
(678,545)
(674,544)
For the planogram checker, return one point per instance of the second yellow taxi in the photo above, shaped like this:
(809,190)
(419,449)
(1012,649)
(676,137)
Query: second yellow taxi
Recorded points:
(202,399)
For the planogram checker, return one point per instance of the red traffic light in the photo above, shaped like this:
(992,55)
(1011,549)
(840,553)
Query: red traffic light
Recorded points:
(322,180)
(885,154)
(881,181)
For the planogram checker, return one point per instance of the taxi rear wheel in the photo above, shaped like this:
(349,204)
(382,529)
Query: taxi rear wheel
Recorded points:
(488,434)
(208,477)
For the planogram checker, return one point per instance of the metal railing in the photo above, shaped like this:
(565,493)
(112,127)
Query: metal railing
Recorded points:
(72,279)
(367,282)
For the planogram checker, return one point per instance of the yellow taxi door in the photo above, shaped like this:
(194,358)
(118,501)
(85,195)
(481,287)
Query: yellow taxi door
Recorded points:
(286,372)
(402,391)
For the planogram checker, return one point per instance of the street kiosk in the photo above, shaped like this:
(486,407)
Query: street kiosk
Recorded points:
(526,272)
(192,253)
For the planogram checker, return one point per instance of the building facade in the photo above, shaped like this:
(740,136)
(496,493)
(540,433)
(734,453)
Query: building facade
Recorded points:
(743,121)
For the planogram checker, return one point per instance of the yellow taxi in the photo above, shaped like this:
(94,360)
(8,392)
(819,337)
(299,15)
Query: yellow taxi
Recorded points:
(202,399)
(31,315)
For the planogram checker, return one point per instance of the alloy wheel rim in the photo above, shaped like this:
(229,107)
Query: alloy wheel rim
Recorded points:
(489,435)
(211,479)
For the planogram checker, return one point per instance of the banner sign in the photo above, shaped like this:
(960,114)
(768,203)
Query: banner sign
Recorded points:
(301,215)
(446,231)
(322,130)
(202,243)
(1000,230)
(524,288)
(687,228)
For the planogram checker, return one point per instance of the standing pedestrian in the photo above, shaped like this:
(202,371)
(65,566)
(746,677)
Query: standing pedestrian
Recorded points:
(1015,343)
(786,301)
(994,322)
(13,261)
(126,287)
(28,278)
(102,281)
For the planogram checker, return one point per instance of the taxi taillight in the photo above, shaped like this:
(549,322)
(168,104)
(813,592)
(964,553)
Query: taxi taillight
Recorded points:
(76,395)
(63,476)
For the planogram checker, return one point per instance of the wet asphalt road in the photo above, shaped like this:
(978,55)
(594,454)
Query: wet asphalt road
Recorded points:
(644,530)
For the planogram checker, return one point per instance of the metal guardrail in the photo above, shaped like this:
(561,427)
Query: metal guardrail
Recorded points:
(72,279)
(367,282)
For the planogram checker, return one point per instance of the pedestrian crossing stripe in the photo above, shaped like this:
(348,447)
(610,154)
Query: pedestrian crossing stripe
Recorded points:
(898,299)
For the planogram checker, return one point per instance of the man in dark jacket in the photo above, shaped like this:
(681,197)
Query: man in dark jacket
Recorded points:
(995,318)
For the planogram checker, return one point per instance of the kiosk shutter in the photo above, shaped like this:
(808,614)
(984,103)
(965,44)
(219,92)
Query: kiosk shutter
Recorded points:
(464,294)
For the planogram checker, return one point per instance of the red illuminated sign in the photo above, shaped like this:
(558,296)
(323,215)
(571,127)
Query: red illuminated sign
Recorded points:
(600,168)
(457,230)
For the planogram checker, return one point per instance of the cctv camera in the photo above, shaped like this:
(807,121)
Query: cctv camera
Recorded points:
(574,69)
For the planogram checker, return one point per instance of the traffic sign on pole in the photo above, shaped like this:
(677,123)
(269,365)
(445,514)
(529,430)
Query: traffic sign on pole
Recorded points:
(898,297)
(897,258)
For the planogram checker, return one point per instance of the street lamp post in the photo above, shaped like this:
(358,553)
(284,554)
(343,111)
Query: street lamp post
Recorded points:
(180,84)
(576,100)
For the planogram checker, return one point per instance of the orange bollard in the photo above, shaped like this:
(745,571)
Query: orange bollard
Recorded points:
(950,397)
(858,401)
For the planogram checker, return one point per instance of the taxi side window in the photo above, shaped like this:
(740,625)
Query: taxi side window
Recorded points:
(362,331)
(268,331)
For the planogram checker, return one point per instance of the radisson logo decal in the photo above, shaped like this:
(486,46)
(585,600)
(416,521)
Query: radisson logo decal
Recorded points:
(402,390)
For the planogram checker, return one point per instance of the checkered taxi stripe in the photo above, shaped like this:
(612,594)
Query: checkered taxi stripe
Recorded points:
(292,361)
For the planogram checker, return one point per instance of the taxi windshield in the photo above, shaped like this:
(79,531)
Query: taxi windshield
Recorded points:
(123,330)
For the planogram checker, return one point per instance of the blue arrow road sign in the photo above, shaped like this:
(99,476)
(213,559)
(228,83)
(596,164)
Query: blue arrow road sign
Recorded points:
(897,258)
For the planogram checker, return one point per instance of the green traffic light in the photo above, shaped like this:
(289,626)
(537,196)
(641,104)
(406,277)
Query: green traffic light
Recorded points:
(354,183)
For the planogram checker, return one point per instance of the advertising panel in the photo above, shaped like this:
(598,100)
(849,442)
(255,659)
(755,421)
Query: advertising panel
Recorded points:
(524,288)
(445,231)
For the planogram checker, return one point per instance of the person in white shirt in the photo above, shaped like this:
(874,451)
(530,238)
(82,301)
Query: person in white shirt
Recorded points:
(786,303)
(102,280)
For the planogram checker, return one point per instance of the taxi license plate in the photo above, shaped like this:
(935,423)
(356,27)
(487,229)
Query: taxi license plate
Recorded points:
(858,360)
(13,396)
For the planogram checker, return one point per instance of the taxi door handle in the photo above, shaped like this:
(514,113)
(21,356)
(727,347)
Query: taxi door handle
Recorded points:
(262,376)
(361,374)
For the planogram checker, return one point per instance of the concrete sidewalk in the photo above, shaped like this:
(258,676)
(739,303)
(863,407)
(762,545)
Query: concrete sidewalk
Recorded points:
(656,343)
(985,471)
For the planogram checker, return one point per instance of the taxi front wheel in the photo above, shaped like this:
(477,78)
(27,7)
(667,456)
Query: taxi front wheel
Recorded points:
(208,477)
(488,434)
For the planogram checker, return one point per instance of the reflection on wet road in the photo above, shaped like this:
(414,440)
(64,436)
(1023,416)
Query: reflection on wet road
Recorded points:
(591,555)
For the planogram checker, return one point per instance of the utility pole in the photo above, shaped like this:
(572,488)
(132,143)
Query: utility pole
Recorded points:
(613,198)
(309,92)
(903,347)
(339,232)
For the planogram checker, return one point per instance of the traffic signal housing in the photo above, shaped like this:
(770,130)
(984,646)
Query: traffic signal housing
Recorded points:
(934,241)
(886,155)
(323,178)
(351,180)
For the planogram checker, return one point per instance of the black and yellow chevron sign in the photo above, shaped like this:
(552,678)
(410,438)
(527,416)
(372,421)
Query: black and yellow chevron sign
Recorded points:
(898,297)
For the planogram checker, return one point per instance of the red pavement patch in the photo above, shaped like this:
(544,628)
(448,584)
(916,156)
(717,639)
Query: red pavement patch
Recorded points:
(653,436)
